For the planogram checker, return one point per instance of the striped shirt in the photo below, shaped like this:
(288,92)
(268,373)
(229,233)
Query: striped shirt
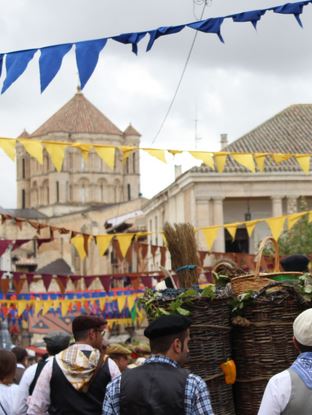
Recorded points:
(196,398)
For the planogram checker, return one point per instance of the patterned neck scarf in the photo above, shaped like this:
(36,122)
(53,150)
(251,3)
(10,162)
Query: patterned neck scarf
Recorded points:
(303,367)
(77,366)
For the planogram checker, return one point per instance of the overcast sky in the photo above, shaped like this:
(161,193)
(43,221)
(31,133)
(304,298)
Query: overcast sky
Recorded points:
(230,88)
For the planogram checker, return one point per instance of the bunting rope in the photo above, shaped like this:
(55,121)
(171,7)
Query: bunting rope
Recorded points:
(216,161)
(81,241)
(87,52)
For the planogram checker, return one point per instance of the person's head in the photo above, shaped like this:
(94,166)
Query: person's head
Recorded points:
(302,329)
(295,263)
(142,350)
(56,342)
(89,330)
(120,354)
(7,366)
(21,355)
(170,336)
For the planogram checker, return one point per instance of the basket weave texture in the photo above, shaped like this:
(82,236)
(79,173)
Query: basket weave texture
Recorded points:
(209,347)
(264,347)
(257,281)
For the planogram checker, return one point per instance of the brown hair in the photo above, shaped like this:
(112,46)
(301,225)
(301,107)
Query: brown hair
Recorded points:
(7,364)
(162,344)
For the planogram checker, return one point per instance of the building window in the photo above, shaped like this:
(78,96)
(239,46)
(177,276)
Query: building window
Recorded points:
(129,191)
(156,230)
(57,192)
(133,163)
(127,165)
(23,199)
(23,169)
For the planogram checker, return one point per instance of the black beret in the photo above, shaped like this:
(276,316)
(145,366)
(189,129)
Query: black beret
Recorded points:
(296,263)
(82,323)
(57,339)
(166,325)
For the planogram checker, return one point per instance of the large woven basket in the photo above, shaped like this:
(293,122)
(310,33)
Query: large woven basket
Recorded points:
(209,347)
(257,281)
(262,343)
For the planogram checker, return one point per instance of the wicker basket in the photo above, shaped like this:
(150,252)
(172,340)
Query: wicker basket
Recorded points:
(257,281)
(262,343)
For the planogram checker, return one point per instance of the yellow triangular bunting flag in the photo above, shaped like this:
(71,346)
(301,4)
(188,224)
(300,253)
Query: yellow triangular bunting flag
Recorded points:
(124,240)
(260,161)
(64,307)
(38,306)
(78,242)
(121,301)
(126,151)
(8,146)
(131,301)
(210,235)
(107,154)
(102,303)
(57,153)
(103,242)
(278,157)
(293,219)
(220,160)
(250,226)
(276,225)
(159,154)
(175,152)
(33,147)
(246,160)
(21,307)
(84,148)
(304,162)
(46,306)
(231,229)
(206,158)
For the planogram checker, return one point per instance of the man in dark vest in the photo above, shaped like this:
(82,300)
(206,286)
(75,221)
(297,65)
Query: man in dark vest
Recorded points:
(74,382)
(160,386)
(290,392)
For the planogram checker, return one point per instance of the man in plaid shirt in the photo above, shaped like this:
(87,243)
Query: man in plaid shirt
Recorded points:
(160,386)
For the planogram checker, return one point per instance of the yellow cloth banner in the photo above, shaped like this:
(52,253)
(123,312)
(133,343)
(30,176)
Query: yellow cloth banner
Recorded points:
(8,146)
(46,306)
(57,154)
(126,151)
(304,162)
(64,307)
(293,219)
(33,147)
(78,242)
(102,303)
(279,157)
(250,226)
(246,160)
(159,154)
(206,158)
(131,301)
(38,306)
(107,154)
(232,229)
(276,225)
(124,240)
(84,149)
(260,161)
(210,235)
(103,242)
(220,160)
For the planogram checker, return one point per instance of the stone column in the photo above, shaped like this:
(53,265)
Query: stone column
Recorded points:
(218,219)
(277,206)
(292,206)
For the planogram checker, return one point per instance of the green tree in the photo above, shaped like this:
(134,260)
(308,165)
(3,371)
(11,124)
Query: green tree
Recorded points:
(298,240)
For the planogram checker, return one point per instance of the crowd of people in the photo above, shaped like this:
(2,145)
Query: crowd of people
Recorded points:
(90,376)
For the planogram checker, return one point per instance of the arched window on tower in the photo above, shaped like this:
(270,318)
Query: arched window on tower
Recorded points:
(133,163)
(129,191)
(83,190)
(57,192)
(23,199)
(23,169)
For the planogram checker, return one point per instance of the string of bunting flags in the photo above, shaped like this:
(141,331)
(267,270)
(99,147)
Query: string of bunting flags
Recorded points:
(252,161)
(117,305)
(87,52)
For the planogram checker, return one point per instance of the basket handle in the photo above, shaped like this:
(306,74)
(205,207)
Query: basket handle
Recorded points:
(260,254)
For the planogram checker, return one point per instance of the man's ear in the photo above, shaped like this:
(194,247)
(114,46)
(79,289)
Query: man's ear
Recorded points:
(177,345)
(296,344)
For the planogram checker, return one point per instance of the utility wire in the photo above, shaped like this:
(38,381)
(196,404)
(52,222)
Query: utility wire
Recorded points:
(181,78)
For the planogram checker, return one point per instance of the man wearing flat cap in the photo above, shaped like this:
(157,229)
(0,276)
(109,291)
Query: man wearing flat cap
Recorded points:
(290,392)
(55,343)
(74,382)
(295,263)
(160,386)
(120,354)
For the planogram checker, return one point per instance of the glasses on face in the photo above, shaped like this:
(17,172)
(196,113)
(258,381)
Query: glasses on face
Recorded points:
(100,331)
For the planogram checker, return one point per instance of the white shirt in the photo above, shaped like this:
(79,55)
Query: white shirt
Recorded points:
(276,395)
(7,396)
(22,396)
(40,399)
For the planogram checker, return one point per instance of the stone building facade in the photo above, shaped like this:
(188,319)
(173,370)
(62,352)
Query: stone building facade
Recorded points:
(204,197)
(81,183)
